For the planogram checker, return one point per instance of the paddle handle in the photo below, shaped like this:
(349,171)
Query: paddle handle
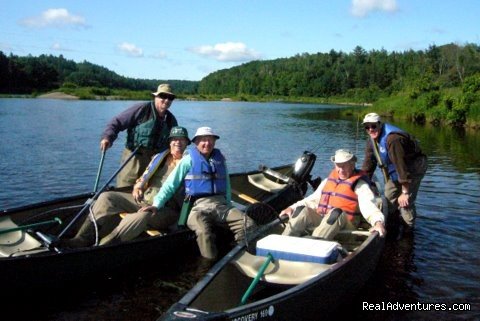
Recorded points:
(260,273)
(27,226)
(100,166)
(379,159)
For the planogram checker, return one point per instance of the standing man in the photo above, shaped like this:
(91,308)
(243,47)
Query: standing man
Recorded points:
(337,204)
(148,125)
(403,164)
(204,173)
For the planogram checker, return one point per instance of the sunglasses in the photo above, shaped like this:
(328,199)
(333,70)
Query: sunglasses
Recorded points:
(166,96)
(373,126)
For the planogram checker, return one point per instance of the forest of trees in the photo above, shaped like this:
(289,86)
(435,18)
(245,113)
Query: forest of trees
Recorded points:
(27,75)
(370,74)
(440,84)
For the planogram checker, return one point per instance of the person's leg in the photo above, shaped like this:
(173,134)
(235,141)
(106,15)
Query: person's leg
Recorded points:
(134,224)
(106,209)
(409,214)
(238,223)
(200,221)
(133,169)
(329,227)
(303,223)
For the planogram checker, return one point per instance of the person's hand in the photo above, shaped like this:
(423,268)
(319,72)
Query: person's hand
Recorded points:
(137,194)
(403,200)
(380,228)
(105,144)
(288,212)
(151,208)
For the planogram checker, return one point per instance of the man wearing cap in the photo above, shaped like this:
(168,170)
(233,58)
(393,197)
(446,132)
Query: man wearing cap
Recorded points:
(336,204)
(403,164)
(204,173)
(148,125)
(111,227)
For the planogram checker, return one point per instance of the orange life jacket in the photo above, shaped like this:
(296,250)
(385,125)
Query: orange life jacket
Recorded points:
(340,193)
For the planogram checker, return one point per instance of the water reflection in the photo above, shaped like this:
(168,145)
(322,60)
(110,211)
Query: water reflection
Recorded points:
(50,149)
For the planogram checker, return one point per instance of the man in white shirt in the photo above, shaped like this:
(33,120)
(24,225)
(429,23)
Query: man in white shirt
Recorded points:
(337,203)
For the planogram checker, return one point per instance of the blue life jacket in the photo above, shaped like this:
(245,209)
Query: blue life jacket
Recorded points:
(206,177)
(383,150)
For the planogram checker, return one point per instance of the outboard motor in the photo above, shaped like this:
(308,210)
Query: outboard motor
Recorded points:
(303,166)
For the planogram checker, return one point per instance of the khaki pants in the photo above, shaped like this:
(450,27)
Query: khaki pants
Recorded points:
(135,166)
(211,211)
(113,229)
(309,222)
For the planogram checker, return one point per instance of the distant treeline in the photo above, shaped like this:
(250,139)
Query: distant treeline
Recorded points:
(27,75)
(440,84)
(361,74)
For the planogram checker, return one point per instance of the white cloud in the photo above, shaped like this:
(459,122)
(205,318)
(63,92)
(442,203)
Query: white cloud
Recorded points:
(130,49)
(54,18)
(58,47)
(227,52)
(361,8)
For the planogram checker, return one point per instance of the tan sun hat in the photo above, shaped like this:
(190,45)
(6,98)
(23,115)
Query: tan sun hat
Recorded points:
(164,88)
(372,118)
(204,131)
(343,156)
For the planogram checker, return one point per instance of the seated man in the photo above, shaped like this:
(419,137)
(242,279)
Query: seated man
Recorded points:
(337,203)
(204,173)
(111,227)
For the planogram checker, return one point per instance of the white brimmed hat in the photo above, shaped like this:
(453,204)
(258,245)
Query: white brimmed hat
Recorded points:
(343,156)
(205,131)
(372,118)
(164,88)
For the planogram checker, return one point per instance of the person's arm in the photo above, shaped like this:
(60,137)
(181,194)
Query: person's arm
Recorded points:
(173,182)
(310,201)
(368,208)
(129,118)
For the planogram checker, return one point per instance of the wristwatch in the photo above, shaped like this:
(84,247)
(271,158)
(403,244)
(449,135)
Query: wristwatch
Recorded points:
(405,192)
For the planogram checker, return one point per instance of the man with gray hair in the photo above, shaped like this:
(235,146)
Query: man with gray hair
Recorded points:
(337,204)
(403,164)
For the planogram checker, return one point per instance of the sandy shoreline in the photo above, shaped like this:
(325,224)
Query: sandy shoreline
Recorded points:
(57,95)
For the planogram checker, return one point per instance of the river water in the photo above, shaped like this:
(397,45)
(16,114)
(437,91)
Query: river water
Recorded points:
(49,149)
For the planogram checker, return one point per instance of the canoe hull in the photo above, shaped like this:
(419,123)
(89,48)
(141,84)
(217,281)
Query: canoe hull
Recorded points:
(45,267)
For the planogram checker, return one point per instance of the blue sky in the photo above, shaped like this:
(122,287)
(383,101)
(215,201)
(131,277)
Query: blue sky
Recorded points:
(189,39)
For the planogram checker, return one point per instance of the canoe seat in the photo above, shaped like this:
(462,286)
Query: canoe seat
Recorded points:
(16,241)
(245,197)
(279,271)
(150,232)
(264,183)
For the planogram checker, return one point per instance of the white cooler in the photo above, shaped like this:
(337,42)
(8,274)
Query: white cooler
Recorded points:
(298,249)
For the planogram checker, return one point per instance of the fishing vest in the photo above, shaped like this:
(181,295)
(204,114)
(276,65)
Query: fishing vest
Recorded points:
(206,177)
(154,176)
(340,193)
(150,133)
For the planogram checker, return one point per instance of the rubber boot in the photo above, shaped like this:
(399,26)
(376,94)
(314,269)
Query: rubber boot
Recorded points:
(85,236)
